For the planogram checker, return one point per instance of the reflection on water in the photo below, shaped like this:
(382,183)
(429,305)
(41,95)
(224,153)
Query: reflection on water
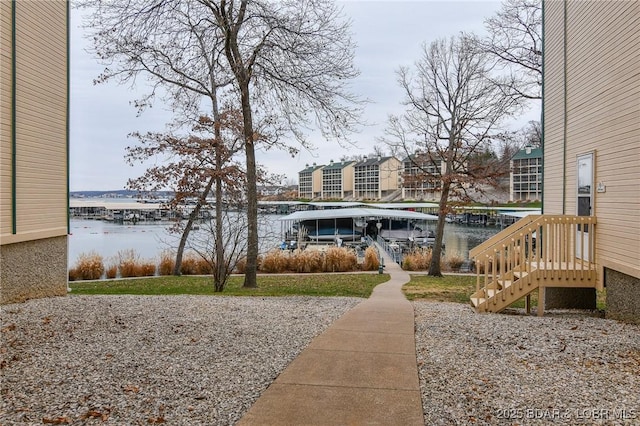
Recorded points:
(150,239)
(462,238)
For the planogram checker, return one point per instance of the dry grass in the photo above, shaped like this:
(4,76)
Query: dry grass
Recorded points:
(275,261)
(241,266)
(127,263)
(453,261)
(112,271)
(88,267)
(340,259)
(417,260)
(73,274)
(335,259)
(146,269)
(167,263)
(305,261)
(371,261)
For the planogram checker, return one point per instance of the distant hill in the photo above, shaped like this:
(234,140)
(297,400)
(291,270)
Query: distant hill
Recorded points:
(117,193)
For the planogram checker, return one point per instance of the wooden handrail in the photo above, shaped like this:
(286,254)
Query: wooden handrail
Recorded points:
(558,247)
(502,236)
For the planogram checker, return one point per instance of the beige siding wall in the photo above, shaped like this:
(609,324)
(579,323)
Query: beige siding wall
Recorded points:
(41,105)
(347,178)
(603,117)
(5,117)
(316,181)
(389,173)
(553,107)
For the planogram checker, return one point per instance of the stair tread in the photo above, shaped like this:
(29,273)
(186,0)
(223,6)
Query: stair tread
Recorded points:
(477,301)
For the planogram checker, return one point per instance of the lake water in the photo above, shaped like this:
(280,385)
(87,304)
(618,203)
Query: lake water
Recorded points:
(150,239)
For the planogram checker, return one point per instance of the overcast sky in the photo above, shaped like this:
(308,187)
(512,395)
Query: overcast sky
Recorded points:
(388,34)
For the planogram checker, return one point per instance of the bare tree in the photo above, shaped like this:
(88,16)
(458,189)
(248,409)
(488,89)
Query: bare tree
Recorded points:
(296,57)
(289,61)
(192,166)
(452,110)
(514,40)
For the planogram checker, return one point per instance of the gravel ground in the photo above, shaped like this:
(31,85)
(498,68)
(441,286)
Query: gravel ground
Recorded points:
(190,360)
(563,368)
(126,360)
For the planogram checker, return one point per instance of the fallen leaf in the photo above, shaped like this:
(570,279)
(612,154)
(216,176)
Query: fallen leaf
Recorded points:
(56,421)
(131,389)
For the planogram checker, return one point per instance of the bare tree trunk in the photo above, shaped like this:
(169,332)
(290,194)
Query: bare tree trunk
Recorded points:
(220,267)
(187,229)
(435,267)
(250,277)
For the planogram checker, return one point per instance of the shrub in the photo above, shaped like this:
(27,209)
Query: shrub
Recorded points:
(146,269)
(204,267)
(417,260)
(454,261)
(89,266)
(73,274)
(306,261)
(275,261)
(241,265)
(112,271)
(130,265)
(189,265)
(371,262)
(340,259)
(167,263)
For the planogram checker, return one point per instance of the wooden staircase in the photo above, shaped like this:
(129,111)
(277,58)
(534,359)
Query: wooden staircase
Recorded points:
(536,252)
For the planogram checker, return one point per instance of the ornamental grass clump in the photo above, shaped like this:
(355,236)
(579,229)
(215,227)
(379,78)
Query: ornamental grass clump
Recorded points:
(340,259)
(304,261)
(146,269)
(89,267)
(371,261)
(112,271)
(417,260)
(167,263)
(189,265)
(454,261)
(129,263)
(275,261)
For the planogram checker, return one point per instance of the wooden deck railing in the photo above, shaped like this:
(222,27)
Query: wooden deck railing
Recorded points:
(558,249)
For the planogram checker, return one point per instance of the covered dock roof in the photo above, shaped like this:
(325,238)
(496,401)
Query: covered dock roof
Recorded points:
(354,212)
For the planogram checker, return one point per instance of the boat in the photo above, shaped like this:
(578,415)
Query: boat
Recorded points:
(353,224)
(394,229)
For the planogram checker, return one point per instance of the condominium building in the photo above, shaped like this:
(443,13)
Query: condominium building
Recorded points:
(421,177)
(376,178)
(526,175)
(310,182)
(591,143)
(337,180)
(34,105)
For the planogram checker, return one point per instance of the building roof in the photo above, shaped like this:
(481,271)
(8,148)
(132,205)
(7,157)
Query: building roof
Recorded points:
(338,166)
(357,212)
(424,155)
(522,154)
(311,169)
(372,161)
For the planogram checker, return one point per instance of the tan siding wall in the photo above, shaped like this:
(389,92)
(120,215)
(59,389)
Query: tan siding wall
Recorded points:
(603,110)
(347,178)
(389,172)
(5,117)
(553,107)
(41,172)
(316,181)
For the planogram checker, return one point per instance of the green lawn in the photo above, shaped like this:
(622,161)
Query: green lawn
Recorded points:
(350,285)
(459,288)
(450,288)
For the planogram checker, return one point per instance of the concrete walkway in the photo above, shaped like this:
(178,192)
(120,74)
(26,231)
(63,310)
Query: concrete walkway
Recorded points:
(361,370)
